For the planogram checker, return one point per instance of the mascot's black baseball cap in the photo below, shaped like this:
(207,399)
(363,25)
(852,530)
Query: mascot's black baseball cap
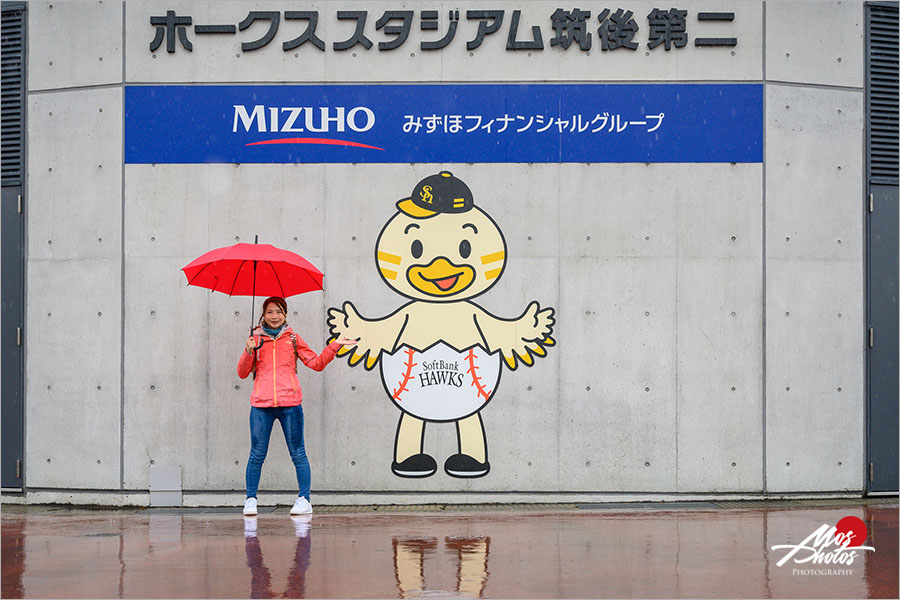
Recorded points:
(441,193)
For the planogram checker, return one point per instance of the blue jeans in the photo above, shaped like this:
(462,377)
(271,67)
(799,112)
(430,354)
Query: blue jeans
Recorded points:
(261,422)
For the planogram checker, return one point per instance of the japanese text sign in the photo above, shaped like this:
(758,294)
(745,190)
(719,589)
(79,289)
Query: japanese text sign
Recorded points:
(444,123)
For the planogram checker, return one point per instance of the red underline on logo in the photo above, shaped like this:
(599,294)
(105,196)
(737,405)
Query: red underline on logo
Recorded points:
(324,141)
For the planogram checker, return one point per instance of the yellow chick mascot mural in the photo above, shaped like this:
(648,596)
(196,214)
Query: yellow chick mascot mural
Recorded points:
(441,354)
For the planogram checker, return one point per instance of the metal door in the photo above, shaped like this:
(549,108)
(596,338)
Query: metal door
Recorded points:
(13,297)
(882,364)
(12,234)
(881,246)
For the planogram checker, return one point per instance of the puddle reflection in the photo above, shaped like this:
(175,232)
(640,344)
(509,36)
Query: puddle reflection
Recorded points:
(566,554)
(413,558)
(260,578)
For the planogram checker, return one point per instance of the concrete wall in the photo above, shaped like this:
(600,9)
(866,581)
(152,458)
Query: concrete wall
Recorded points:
(709,316)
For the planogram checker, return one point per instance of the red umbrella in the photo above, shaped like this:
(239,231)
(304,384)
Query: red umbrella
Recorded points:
(254,269)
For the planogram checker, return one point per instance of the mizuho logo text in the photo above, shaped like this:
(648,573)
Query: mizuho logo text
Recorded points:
(284,119)
(304,119)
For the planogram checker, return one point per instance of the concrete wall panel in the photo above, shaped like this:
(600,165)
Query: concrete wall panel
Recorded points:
(75,174)
(167,399)
(814,273)
(815,42)
(219,58)
(815,387)
(72,44)
(720,425)
(719,210)
(814,200)
(73,373)
(617,374)
(625,210)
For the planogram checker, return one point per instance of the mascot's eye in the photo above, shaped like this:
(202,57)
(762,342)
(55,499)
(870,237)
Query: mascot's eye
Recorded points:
(416,249)
(465,248)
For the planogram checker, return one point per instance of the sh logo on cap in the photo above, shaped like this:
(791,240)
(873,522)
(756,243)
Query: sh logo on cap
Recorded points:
(441,193)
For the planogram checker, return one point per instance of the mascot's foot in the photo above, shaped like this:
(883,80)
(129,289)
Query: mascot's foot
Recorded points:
(463,465)
(417,465)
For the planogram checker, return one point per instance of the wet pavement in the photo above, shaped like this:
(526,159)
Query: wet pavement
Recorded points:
(696,550)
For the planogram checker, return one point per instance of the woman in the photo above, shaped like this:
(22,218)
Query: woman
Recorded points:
(271,354)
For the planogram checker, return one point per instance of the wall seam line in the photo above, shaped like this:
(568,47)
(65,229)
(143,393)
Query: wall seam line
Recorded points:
(122,280)
(765,482)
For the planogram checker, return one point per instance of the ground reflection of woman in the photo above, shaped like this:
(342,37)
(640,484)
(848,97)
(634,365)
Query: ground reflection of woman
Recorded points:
(260,578)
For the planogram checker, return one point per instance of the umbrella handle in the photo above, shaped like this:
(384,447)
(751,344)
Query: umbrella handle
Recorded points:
(261,342)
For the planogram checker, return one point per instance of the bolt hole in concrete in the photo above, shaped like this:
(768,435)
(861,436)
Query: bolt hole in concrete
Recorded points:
(588,388)
(646,464)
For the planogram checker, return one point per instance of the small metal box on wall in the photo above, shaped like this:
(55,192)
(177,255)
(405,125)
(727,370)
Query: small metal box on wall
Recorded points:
(165,485)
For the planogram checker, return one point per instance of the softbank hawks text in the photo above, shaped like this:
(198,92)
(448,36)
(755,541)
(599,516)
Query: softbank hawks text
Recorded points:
(440,372)
(288,119)
(817,548)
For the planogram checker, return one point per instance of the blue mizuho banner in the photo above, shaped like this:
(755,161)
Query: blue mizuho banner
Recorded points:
(580,123)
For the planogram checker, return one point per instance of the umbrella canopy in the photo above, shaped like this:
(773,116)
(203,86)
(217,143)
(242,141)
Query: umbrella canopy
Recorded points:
(254,270)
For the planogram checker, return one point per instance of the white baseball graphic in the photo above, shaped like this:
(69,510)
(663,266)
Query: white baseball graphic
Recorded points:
(440,384)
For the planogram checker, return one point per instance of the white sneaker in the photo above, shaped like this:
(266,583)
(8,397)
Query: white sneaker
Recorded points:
(250,506)
(301,506)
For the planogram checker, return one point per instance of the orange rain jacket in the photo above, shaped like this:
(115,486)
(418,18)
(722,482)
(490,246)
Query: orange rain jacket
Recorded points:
(276,381)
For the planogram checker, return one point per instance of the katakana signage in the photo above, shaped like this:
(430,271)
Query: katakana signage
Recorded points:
(617,29)
(683,123)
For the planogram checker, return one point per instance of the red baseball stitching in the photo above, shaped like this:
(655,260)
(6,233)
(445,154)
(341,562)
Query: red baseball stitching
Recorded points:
(476,380)
(406,376)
